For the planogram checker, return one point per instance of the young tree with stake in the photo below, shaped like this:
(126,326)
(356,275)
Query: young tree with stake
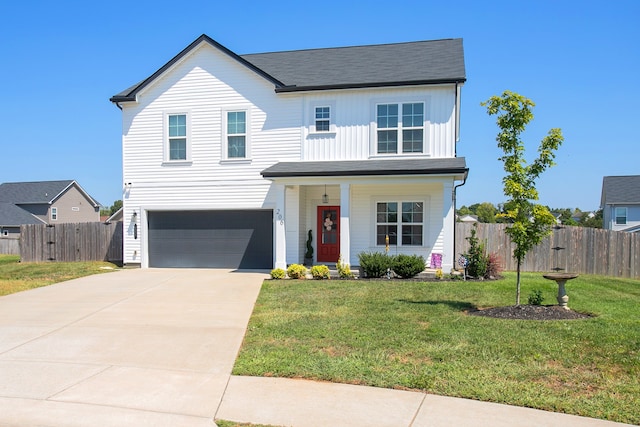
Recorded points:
(529,222)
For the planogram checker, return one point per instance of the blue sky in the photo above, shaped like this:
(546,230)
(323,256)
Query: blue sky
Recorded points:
(578,61)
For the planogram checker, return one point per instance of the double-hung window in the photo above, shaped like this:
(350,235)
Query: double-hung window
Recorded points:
(54,214)
(621,216)
(400,128)
(402,222)
(237,135)
(323,119)
(177,132)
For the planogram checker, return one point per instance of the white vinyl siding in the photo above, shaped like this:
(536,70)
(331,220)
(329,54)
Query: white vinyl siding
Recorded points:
(353,134)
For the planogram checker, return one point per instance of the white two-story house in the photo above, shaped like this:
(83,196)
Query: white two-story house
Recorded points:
(229,160)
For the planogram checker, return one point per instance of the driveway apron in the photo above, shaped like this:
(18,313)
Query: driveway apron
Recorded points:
(134,347)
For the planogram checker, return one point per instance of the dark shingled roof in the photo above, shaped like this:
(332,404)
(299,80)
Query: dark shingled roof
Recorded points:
(397,64)
(40,192)
(446,166)
(425,62)
(620,190)
(13,216)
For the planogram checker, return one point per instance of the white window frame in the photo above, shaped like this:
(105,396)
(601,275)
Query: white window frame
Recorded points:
(317,120)
(225,134)
(400,128)
(54,213)
(313,122)
(616,216)
(5,232)
(399,223)
(167,138)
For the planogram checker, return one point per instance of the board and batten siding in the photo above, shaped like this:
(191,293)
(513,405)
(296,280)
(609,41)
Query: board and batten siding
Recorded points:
(354,115)
(203,85)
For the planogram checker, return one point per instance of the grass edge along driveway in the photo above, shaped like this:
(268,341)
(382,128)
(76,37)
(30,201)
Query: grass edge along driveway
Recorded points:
(16,276)
(417,336)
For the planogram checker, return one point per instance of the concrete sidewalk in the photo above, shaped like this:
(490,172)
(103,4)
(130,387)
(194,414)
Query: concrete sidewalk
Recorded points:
(156,348)
(302,403)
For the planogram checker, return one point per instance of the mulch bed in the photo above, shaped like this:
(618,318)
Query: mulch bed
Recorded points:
(530,312)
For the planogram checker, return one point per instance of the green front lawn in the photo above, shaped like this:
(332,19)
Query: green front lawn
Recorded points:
(416,335)
(16,276)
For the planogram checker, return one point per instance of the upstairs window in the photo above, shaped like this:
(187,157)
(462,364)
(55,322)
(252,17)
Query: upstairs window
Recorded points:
(323,119)
(236,134)
(400,128)
(621,216)
(177,144)
(54,214)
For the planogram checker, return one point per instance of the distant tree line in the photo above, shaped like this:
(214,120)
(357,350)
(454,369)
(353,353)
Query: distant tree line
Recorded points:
(489,213)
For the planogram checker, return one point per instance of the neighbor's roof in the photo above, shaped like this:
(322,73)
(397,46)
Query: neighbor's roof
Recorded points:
(620,190)
(446,166)
(13,216)
(40,192)
(397,64)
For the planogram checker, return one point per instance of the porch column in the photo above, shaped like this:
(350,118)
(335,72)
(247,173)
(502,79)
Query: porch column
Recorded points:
(345,233)
(279,232)
(448,223)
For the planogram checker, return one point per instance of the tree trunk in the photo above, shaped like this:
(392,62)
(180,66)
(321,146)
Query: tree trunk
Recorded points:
(518,284)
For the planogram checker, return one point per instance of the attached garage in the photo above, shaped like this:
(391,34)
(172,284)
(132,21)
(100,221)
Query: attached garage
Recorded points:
(211,239)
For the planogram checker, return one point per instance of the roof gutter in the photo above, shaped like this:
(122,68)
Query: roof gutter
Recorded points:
(294,88)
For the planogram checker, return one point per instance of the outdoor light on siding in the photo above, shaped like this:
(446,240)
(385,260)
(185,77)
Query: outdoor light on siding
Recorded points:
(325,198)
(135,225)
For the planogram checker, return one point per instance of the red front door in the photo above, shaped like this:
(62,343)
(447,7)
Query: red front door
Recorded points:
(328,233)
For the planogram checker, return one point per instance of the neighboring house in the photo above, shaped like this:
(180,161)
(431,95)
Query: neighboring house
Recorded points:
(44,202)
(468,218)
(620,203)
(229,160)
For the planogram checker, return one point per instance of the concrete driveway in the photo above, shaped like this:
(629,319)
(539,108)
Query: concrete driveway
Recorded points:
(130,348)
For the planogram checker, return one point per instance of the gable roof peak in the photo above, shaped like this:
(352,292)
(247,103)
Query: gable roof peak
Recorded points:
(364,66)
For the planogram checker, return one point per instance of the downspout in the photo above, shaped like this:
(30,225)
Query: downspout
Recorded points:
(453,196)
(464,181)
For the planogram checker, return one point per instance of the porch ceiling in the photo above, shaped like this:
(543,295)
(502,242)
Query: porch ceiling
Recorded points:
(390,167)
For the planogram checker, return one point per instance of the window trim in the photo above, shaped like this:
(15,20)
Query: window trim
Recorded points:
(167,143)
(399,223)
(616,216)
(54,213)
(312,118)
(316,119)
(225,135)
(399,129)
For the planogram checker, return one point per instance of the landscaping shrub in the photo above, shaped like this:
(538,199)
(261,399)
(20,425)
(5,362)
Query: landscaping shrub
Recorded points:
(494,266)
(297,271)
(343,269)
(407,266)
(476,259)
(535,297)
(278,273)
(374,264)
(320,272)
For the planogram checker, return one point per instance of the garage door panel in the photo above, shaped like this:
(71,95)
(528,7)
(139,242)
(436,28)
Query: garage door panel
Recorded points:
(222,239)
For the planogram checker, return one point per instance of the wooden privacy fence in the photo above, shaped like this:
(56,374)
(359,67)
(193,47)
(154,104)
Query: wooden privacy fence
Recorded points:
(9,245)
(91,241)
(568,249)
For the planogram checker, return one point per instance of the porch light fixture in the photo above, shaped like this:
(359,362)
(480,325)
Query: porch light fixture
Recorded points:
(325,198)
